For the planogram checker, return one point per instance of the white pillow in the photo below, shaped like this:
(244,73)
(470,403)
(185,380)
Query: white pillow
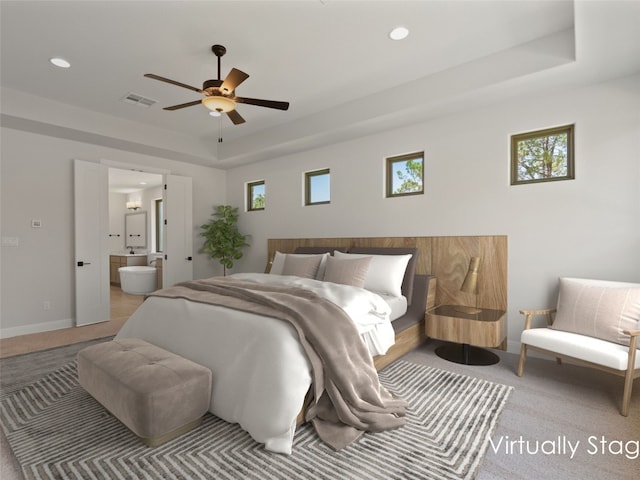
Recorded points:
(385,273)
(277,267)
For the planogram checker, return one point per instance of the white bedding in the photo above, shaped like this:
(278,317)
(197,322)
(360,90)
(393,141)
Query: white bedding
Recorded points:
(260,372)
(397,305)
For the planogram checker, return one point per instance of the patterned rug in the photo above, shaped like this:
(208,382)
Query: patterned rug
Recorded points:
(58,431)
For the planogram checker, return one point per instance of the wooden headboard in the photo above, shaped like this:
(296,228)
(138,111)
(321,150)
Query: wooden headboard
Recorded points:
(445,257)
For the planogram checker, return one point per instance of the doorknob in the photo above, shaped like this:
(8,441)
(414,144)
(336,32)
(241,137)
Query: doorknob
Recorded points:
(82,264)
(189,258)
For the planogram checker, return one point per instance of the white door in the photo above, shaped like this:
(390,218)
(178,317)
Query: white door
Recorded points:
(178,231)
(91,188)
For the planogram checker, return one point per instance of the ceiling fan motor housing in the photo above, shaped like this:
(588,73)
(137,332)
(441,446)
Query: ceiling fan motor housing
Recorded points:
(211,84)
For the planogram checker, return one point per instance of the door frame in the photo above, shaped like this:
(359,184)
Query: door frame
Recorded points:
(105,253)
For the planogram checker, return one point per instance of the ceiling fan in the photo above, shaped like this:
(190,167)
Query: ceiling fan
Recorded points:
(219,95)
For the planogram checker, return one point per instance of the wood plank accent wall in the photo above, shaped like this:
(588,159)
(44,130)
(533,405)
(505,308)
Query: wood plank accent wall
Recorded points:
(445,257)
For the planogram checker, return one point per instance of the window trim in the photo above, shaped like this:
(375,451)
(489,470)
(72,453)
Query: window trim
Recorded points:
(250,187)
(307,186)
(390,161)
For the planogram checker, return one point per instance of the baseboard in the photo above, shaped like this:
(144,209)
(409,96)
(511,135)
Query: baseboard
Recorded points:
(36,328)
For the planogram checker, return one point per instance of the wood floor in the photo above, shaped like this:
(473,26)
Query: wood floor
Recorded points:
(122,306)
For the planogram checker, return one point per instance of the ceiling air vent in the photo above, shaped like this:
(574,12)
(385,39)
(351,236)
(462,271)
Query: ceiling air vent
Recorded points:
(138,100)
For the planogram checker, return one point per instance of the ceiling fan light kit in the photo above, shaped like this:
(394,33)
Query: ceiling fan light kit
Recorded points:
(218,103)
(219,95)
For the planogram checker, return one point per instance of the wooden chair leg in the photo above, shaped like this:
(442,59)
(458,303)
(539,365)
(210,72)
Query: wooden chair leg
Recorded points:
(523,356)
(628,378)
(626,396)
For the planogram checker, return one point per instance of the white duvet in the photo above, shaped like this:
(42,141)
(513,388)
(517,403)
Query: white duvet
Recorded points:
(260,372)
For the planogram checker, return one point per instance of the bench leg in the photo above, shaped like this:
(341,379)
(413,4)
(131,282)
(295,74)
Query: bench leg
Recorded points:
(523,356)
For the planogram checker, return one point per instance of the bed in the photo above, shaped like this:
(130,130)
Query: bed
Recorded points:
(261,372)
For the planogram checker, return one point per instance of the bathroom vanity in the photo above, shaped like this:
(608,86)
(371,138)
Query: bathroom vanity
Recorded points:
(117,261)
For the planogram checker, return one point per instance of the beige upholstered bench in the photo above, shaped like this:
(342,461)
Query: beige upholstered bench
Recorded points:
(158,395)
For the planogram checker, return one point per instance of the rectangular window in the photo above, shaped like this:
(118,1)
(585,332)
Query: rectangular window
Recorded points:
(317,187)
(405,175)
(542,156)
(255,195)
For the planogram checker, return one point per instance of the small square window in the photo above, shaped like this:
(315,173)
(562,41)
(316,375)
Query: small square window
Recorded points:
(317,187)
(405,175)
(542,156)
(255,195)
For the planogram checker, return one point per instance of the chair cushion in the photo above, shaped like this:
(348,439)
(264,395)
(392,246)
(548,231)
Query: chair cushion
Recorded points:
(582,347)
(598,308)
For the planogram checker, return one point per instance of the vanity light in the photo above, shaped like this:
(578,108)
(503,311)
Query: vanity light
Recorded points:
(134,205)
(60,62)
(399,33)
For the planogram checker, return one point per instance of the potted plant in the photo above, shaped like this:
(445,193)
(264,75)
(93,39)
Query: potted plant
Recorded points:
(223,241)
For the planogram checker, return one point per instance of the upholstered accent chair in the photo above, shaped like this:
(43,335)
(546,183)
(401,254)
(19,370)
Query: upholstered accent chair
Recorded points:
(596,324)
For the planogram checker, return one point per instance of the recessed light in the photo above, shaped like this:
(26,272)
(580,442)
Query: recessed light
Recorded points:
(60,62)
(399,33)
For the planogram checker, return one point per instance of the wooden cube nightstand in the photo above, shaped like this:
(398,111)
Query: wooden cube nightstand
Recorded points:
(487,328)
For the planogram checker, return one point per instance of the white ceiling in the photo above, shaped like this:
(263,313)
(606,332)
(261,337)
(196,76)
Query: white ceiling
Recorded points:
(331,59)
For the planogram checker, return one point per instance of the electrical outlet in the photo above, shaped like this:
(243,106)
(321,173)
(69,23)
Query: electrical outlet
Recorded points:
(46,305)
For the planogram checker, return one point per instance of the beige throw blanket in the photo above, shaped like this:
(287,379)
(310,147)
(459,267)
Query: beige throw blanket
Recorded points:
(348,396)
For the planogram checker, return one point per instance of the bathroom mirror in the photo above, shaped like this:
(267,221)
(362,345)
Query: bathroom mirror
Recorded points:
(135,229)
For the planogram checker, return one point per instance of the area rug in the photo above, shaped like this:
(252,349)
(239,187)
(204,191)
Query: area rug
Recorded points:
(58,431)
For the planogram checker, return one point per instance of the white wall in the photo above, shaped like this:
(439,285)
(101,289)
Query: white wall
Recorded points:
(37,183)
(587,227)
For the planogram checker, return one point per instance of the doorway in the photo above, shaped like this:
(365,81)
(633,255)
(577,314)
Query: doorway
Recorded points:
(95,238)
(133,191)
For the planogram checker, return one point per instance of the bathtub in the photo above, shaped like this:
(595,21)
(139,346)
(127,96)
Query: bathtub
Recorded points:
(137,280)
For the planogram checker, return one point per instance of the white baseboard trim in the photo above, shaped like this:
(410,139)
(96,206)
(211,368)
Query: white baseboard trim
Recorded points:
(36,328)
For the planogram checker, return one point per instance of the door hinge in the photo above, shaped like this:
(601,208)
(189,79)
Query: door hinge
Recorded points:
(165,221)
(165,256)
(165,186)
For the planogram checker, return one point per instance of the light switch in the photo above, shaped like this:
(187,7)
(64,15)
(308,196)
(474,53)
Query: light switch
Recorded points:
(36,223)
(10,241)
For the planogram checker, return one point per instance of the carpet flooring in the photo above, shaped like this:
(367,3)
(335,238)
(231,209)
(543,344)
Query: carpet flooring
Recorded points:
(57,430)
(549,402)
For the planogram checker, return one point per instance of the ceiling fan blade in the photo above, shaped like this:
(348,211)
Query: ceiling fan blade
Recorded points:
(235,117)
(263,103)
(172,82)
(184,105)
(235,78)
